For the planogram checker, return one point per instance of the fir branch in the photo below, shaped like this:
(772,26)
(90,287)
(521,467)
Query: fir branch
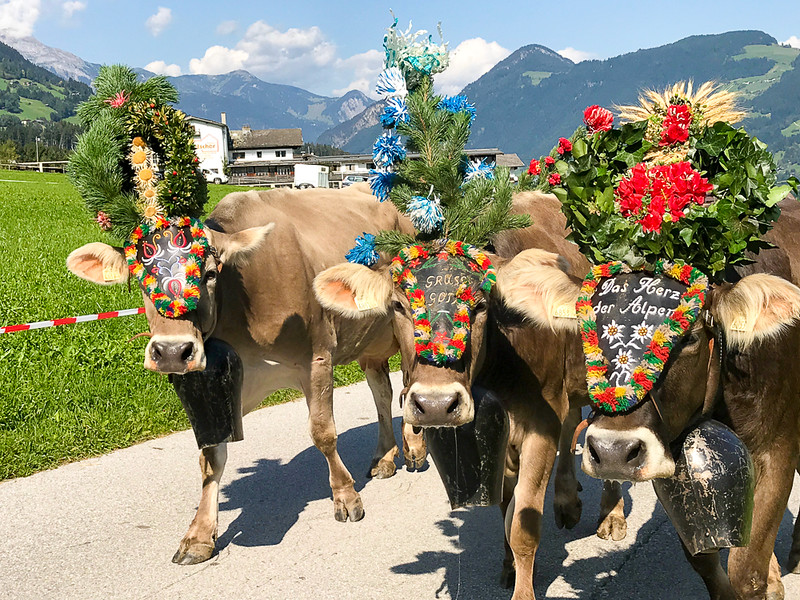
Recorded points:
(391,242)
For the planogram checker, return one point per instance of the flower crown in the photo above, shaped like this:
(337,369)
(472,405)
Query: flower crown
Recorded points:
(674,181)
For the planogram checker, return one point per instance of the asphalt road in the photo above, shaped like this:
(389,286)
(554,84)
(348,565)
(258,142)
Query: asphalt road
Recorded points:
(106,528)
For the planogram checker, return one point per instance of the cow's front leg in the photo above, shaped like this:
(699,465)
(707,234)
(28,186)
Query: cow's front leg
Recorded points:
(612,523)
(749,567)
(709,568)
(415,450)
(794,553)
(198,543)
(377,373)
(566,502)
(319,397)
(537,455)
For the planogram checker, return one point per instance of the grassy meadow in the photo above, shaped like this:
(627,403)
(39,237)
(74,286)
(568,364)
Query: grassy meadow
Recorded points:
(74,391)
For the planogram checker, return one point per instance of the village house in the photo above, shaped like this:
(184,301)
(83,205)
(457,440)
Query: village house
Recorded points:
(264,155)
(212,143)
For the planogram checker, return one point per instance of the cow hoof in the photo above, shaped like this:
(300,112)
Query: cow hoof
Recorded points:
(508,575)
(613,528)
(415,462)
(355,510)
(568,513)
(794,562)
(194,554)
(383,469)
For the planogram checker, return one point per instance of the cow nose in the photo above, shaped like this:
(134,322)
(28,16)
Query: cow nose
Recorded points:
(619,459)
(432,409)
(172,357)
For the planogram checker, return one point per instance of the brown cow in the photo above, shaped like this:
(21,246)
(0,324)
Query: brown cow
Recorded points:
(760,391)
(271,245)
(532,370)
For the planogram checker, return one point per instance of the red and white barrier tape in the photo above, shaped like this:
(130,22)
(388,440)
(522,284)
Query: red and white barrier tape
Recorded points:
(70,320)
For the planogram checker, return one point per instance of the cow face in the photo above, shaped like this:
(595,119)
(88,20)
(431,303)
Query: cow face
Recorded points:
(438,390)
(176,343)
(635,446)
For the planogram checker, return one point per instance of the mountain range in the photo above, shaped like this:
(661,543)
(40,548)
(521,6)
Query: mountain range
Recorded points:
(246,99)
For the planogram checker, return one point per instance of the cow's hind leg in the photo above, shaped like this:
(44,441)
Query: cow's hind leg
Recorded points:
(612,523)
(566,502)
(709,568)
(794,553)
(319,397)
(198,543)
(377,372)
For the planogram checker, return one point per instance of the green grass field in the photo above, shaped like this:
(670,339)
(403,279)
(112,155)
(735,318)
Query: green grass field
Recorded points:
(79,390)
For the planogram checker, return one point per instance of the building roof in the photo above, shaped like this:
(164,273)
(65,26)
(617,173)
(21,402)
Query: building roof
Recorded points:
(247,138)
(512,161)
(207,121)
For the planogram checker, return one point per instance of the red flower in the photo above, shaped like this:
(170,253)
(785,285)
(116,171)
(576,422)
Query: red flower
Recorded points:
(534,168)
(597,119)
(554,179)
(651,222)
(564,145)
(118,100)
(549,160)
(459,345)
(675,128)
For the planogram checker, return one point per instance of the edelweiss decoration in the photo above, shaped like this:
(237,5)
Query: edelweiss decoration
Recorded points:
(455,205)
(136,169)
(668,201)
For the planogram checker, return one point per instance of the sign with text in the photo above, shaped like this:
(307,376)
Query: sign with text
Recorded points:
(440,279)
(628,309)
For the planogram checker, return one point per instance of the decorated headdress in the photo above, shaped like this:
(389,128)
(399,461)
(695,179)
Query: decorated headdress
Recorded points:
(136,168)
(663,204)
(455,205)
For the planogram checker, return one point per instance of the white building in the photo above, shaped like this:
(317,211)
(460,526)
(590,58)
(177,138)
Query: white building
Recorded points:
(212,142)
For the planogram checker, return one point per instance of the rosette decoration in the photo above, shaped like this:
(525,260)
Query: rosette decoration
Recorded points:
(665,203)
(456,206)
(136,168)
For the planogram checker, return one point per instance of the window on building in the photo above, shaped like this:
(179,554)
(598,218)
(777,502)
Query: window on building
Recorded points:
(280,153)
(238,155)
(258,154)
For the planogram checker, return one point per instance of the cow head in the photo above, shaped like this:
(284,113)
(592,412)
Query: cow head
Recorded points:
(636,446)
(176,345)
(437,392)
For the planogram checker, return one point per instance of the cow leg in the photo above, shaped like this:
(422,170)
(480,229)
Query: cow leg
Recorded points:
(377,372)
(508,573)
(794,553)
(319,397)
(198,543)
(566,503)
(775,589)
(537,456)
(710,569)
(415,451)
(749,567)
(612,523)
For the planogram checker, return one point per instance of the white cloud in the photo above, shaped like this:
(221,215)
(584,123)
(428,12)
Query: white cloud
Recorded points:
(158,22)
(468,61)
(17,17)
(363,71)
(71,7)
(218,60)
(577,55)
(227,27)
(793,41)
(159,67)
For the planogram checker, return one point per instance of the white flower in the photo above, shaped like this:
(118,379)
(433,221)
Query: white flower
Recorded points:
(613,331)
(642,332)
(623,361)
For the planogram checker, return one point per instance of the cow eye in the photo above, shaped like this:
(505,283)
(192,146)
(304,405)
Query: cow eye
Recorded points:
(211,275)
(398,306)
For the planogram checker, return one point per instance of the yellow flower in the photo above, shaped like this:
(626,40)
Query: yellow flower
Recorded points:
(145,175)
(659,337)
(150,211)
(149,193)
(137,141)
(139,157)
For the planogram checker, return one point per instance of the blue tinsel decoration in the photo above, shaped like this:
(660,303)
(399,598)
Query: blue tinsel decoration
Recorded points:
(391,83)
(425,214)
(363,253)
(381,182)
(395,111)
(387,150)
(477,170)
(457,104)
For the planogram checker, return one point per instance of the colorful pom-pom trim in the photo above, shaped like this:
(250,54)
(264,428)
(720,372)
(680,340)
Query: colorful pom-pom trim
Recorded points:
(618,399)
(191,291)
(448,350)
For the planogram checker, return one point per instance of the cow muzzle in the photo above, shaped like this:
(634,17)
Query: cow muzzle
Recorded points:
(625,455)
(438,406)
(179,355)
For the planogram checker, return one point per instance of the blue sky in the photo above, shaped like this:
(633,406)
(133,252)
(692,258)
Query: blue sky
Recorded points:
(329,47)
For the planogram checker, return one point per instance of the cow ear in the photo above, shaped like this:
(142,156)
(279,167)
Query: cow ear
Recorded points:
(99,263)
(237,249)
(757,307)
(535,284)
(353,290)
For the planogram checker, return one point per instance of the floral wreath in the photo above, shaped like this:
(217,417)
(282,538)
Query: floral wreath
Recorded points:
(441,353)
(616,399)
(674,180)
(192,269)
